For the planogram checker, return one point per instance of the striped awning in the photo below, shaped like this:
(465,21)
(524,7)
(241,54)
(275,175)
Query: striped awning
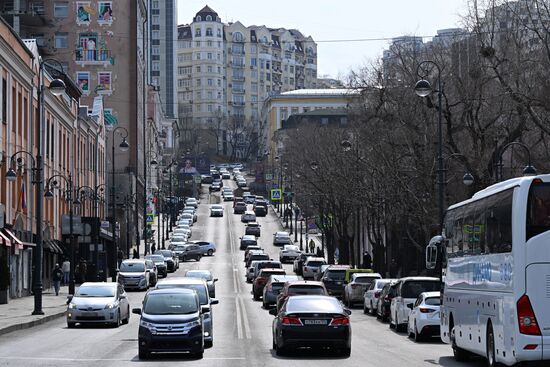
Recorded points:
(5,240)
(12,238)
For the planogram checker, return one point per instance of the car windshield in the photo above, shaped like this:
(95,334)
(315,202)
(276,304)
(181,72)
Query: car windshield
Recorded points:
(313,304)
(433,301)
(380,285)
(336,274)
(155,258)
(413,288)
(315,263)
(180,248)
(95,291)
(165,253)
(206,275)
(170,304)
(267,274)
(199,288)
(216,207)
(249,238)
(277,286)
(268,264)
(291,248)
(132,267)
(260,257)
(296,290)
(364,280)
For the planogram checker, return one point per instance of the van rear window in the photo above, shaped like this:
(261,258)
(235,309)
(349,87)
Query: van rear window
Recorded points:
(413,288)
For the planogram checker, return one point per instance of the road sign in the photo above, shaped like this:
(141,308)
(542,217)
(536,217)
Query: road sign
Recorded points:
(268,176)
(150,218)
(276,194)
(197,179)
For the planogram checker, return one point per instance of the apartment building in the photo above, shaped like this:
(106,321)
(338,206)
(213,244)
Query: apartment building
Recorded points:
(226,72)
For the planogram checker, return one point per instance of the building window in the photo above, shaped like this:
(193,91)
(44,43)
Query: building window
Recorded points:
(155,4)
(199,18)
(198,56)
(210,56)
(209,32)
(83,81)
(219,70)
(197,31)
(197,43)
(105,12)
(210,108)
(104,82)
(155,50)
(209,43)
(83,15)
(210,82)
(61,9)
(198,82)
(61,40)
(198,68)
(238,37)
(155,66)
(219,32)
(210,69)
(155,35)
(284,113)
(39,39)
(209,18)
(155,19)
(219,83)
(253,62)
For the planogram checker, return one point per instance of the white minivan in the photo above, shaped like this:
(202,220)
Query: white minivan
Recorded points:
(407,291)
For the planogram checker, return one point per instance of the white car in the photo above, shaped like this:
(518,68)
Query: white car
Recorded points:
(281,238)
(191,211)
(181,231)
(187,216)
(358,284)
(192,202)
(216,210)
(312,266)
(424,316)
(372,295)
(185,222)
(186,227)
(407,291)
(289,253)
(228,196)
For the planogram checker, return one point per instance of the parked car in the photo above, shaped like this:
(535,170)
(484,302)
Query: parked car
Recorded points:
(171,321)
(133,274)
(289,253)
(247,240)
(312,321)
(253,228)
(92,303)
(311,266)
(191,251)
(192,202)
(205,300)
(208,248)
(153,272)
(372,295)
(239,207)
(191,211)
(187,216)
(281,238)
(300,288)
(216,210)
(170,258)
(248,216)
(354,291)
(299,262)
(182,228)
(260,211)
(205,275)
(333,279)
(158,260)
(273,286)
(260,281)
(408,290)
(424,316)
(384,301)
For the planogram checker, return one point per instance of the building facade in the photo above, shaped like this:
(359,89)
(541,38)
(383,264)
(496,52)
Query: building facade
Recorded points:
(225,73)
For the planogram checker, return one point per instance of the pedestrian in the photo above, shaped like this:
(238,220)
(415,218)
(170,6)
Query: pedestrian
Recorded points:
(311,246)
(57,276)
(394,269)
(66,268)
(367,260)
(153,248)
(320,252)
(136,256)
(83,270)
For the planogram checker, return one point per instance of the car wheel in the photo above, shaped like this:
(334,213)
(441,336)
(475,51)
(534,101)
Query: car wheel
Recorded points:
(210,252)
(365,310)
(256,297)
(127,319)
(417,336)
(392,322)
(184,259)
(118,320)
(143,353)
(491,356)
(460,354)
(345,352)
(71,325)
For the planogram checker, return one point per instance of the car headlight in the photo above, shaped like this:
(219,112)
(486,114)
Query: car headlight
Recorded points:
(72,306)
(193,323)
(110,306)
(146,324)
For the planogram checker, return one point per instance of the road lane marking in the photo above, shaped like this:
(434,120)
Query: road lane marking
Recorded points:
(239,321)
(99,359)
(245,320)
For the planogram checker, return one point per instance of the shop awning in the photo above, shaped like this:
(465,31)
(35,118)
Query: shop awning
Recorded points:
(60,246)
(5,240)
(13,239)
(52,247)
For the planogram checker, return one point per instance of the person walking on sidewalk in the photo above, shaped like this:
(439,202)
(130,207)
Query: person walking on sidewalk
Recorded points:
(311,246)
(57,276)
(66,268)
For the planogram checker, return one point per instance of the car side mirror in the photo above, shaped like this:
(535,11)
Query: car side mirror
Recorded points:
(214,301)
(205,309)
(215,280)
(122,296)
(136,311)
(410,305)
(347,311)
(273,311)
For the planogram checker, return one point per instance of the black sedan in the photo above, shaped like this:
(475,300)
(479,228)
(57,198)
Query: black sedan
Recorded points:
(312,321)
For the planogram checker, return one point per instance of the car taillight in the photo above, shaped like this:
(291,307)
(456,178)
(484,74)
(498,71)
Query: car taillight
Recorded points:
(376,294)
(288,320)
(526,317)
(426,310)
(260,280)
(340,321)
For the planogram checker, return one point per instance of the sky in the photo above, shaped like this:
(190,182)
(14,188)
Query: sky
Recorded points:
(326,20)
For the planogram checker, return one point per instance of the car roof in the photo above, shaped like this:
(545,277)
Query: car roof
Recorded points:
(99,284)
(406,279)
(171,291)
(279,278)
(281,233)
(312,258)
(366,275)
(249,237)
(306,282)
(133,261)
(273,269)
(431,294)
(182,280)
(249,212)
(339,267)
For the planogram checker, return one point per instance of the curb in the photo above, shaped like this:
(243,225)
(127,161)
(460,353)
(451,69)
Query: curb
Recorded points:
(30,324)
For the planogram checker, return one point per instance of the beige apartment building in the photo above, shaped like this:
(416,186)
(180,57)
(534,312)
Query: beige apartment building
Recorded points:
(225,74)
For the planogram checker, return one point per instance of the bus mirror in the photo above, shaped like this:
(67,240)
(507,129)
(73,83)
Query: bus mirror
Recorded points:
(431,256)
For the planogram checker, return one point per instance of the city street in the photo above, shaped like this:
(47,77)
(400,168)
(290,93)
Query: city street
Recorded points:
(242,328)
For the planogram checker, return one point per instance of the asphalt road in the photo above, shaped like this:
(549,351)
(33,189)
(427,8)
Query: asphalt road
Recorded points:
(242,328)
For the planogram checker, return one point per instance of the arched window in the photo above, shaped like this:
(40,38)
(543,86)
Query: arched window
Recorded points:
(264,39)
(208,18)
(199,18)
(309,51)
(238,37)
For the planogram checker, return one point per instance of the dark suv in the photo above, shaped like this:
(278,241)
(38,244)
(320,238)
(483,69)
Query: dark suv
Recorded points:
(333,279)
(191,252)
(253,228)
(384,301)
(239,207)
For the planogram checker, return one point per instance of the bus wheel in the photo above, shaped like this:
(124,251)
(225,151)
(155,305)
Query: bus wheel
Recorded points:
(491,357)
(460,354)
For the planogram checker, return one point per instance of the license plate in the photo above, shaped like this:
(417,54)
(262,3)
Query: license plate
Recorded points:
(89,314)
(338,283)
(315,322)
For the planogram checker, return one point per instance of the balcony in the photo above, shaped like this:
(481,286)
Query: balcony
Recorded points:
(238,91)
(237,65)
(91,57)
(238,78)
(238,103)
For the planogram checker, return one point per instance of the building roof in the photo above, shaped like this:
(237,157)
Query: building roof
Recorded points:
(204,12)
(184,32)
(321,92)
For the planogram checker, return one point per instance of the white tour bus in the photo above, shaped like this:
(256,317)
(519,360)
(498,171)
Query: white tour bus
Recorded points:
(496,273)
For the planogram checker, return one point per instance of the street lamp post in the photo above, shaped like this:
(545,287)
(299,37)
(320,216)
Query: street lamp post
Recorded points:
(53,184)
(423,89)
(56,87)
(528,170)
(123,146)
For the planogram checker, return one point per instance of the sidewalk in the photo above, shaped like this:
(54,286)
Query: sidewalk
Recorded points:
(16,315)
(305,242)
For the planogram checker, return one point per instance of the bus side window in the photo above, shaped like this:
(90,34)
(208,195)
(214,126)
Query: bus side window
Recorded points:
(479,227)
(499,223)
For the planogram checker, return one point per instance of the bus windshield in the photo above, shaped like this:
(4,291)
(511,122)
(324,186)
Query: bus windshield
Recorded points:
(538,209)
